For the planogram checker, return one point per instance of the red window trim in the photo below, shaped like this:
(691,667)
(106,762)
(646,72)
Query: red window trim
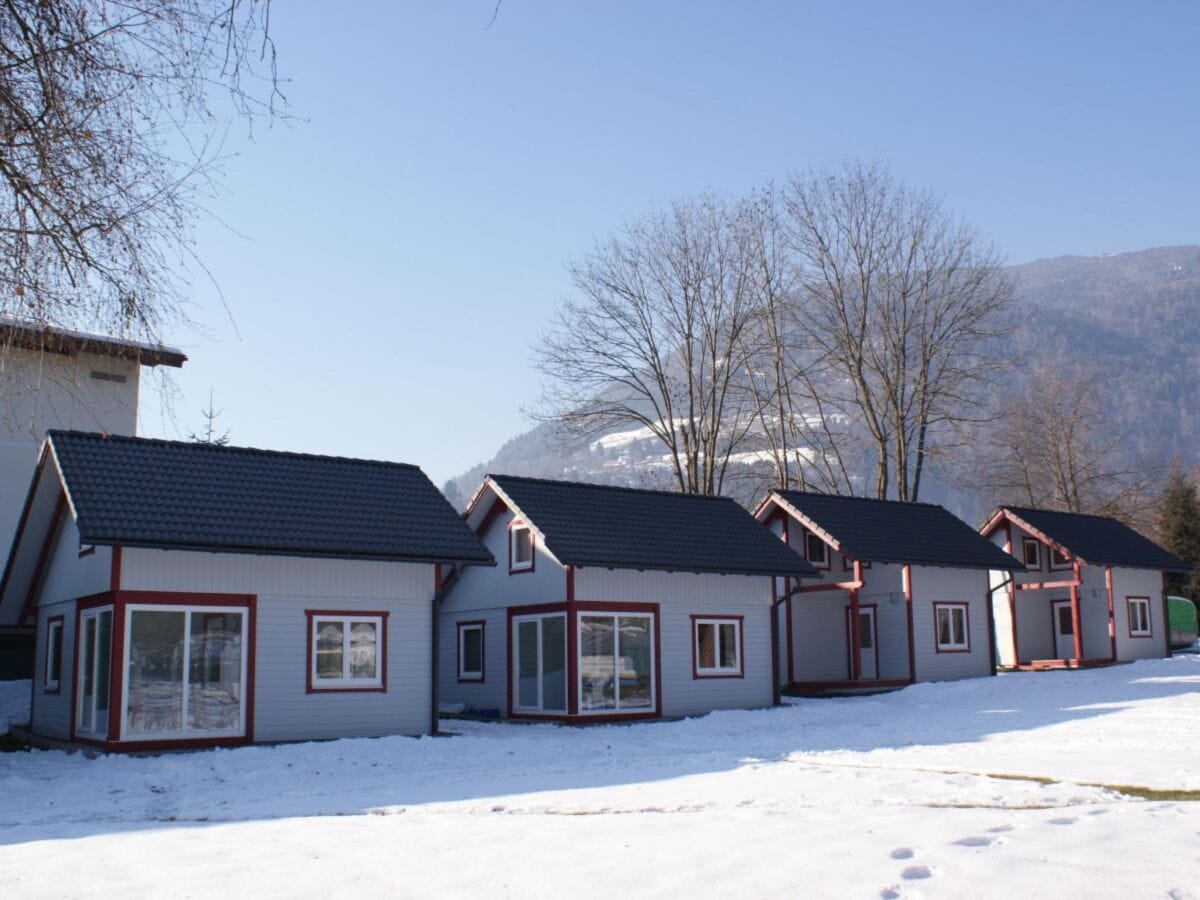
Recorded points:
(119,600)
(86,550)
(966,608)
(62,646)
(1129,617)
(1025,542)
(828,551)
(512,526)
(481,624)
(571,610)
(381,688)
(720,617)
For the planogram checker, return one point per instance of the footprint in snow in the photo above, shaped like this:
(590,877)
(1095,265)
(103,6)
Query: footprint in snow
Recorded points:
(914,873)
(902,853)
(890,893)
(977,840)
(1000,829)
(1064,820)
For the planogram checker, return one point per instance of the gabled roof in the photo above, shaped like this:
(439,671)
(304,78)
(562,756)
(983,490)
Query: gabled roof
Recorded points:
(138,492)
(32,335)
(890,531)
(1096,540)
(627,528)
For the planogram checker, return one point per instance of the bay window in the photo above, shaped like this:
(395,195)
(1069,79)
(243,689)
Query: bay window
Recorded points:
(184,672)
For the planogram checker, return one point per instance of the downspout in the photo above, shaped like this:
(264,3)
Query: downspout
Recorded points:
(906,579)
(1112,619)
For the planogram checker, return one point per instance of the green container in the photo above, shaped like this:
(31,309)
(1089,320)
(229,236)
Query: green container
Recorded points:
(1181,614)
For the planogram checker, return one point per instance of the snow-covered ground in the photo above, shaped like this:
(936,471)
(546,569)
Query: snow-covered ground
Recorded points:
(14,703)
(885,796)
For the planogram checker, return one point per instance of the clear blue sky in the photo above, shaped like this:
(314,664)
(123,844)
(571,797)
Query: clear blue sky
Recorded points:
(399,249)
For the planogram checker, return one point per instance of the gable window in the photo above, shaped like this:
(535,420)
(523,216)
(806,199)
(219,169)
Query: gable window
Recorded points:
(1031,553)
(1058,559)
(470,651)
(717,646)
(347,651)
(951,627)
(1139,616)
(54,650)
(816,550)
(520,548)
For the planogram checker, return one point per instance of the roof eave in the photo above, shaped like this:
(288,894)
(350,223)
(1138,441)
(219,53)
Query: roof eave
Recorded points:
(287,551)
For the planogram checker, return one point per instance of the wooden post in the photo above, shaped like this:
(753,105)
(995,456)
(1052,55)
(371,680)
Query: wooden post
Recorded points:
(1012,599)
(908,602)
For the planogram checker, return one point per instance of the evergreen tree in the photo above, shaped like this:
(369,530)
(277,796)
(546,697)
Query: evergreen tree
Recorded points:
(1179,528)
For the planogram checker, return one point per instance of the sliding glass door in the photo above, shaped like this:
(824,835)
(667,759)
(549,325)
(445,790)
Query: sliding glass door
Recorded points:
(540,663)
(616,663)
(93,671)
(185,672)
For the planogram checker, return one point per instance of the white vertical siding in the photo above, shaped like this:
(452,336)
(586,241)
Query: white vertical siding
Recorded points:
(69,575)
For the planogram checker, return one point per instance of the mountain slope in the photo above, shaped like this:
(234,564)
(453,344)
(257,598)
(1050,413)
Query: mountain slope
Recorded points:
(1131,319)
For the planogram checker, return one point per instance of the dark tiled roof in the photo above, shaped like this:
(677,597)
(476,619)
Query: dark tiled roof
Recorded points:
(626,528)
(888,531)
(1099,540)
(151,493)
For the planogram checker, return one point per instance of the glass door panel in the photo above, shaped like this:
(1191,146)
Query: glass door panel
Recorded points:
(215,676)
(539,663)
(95,669)
(528,695)
(554,663)
(636,659)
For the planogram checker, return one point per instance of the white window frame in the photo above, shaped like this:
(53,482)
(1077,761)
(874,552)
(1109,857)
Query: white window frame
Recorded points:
(1026,543)
(1130,602)
(99,728)
(950,606)
(56,624)
(346,681)
(718,670)
(514,565)
(184,732)
(464,674)
(616,616)
(1057,566)
(809,537)
(515,670)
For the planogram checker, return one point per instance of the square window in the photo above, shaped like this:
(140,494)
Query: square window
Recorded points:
(348,651)
(1031,550)
(1139,616)
(470,651)
(951,628)
(717,646)
(816,550)
(520,549)
(1058,559)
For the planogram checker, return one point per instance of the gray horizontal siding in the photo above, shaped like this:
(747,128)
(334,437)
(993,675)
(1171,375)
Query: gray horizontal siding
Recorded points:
(492,693)
(52,712)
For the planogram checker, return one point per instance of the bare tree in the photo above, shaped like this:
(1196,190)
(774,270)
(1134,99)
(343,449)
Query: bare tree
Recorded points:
(109,138)
(1052,446)
(897,310)
(654,339)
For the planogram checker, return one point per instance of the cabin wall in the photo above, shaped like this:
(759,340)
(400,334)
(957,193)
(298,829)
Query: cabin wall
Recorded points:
(680,596)
(51,714)
(288,586)
(69,575)
(934,584)
(1139,583)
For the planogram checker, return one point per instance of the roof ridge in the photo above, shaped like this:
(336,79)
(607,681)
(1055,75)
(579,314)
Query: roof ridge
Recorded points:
(609,487)
(226,448)
(785,491)
(1063,512)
